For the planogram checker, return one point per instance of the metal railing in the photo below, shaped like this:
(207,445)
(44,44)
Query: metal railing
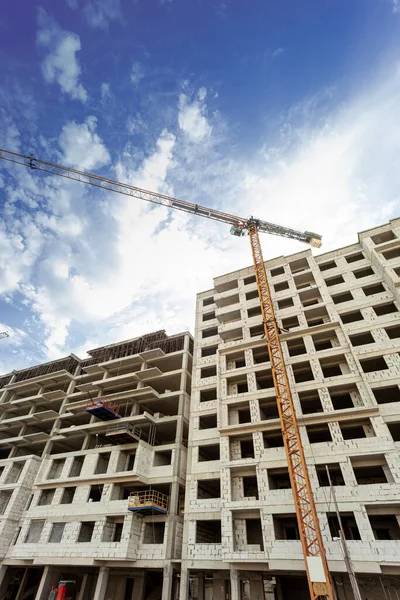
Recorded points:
(148,498)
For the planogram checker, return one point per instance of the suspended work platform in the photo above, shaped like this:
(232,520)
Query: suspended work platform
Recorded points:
(148,502)
(103,409)
(124,433)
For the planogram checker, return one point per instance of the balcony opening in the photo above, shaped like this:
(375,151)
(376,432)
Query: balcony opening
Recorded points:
(361,273)
(96,491)
(318,433)
(310,402)
(209,351)
(255,311)
(68,495)
(86,532)
(335,473)
(302,372)
(280,287)
(310,297)
(250,486)
(334,366)
(296,347)
(34,531)
(235,360)
(56,468)
(393,333)
(208,532)
(299,265)
(290,323)
(349,524)
(277,271)
(102,463)
(5,497)
(384,309)
(387,394)
(208,488)
(113,528)
(369,474)
(247,448)
(391,254)
(56,534)
(325,340)
(341,400)
(227,301)
(208,395)
(384,236)
(370,365)
(370,290)
(209,316)
(254,533)
(327,266)
(344,297)
(206,333)
(361,339)
(251,295)
(385,527)
(250,280)
(264,380)
(208,421)
(334,280)
(354,257)
(46,497)
(285,527)
(154,533)
(208,453)
(208,301)
(353,431)
(273,439)
(76,467)
(162,458)
(268,409)
(285,303)
(278,479)
(208,372)
(227,285)
(257,330)
(244,415)
(232,335)
(394,429)
(351,317)
(260,355)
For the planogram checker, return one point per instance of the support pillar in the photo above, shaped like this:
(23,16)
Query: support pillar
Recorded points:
(139,586)
(3,571)
(83,591)
(168,574)
(235,583)
(101,585)
(22,585)
(50,577)
(184,587)
(201,587)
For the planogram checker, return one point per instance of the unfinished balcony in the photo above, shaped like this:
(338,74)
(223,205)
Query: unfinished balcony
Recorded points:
(325,340)
(228,314)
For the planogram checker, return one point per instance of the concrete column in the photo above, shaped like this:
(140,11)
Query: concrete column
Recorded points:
(3,571)
(200,579)
(184,587)
(101,585)
(22,586)
(139,586)
(235,581)
(50,577)
(168,573)
(83,591)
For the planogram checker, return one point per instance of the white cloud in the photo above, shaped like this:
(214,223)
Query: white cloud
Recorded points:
(396,6)
(277,52)
(60,64)
(99,13)
(105,91)
(82,147)
(137,73)
(192,117)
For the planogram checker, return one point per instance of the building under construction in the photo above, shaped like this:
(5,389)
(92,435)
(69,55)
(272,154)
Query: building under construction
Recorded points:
(339,319)
(93,467)
(93,452)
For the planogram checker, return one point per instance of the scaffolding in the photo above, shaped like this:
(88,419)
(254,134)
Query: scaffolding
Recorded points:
(148,502)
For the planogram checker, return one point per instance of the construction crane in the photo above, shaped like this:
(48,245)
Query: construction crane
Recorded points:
(318,576)
(4,334)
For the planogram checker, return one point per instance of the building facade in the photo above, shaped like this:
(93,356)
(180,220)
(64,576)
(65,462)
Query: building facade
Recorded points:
(69,476)
(340,322)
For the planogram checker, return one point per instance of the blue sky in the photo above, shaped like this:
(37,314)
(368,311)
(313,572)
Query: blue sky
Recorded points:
(287,110)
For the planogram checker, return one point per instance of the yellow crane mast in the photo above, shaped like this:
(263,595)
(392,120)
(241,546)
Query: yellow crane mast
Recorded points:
(318,576)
